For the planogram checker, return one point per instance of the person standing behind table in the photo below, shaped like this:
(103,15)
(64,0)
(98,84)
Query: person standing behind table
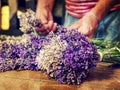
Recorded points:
(93,18)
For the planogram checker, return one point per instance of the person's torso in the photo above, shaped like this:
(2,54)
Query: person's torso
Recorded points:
(83,6)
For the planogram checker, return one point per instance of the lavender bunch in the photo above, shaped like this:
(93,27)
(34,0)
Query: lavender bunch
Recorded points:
(20,52)
(68,56)
(65,55)
(76,60)
(28,22)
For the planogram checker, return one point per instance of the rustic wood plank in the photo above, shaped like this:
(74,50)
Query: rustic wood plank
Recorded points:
(102,78)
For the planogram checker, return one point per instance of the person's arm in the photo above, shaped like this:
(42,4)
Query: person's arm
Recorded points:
(45,4)
(44,13)
(102,8)
(88,24)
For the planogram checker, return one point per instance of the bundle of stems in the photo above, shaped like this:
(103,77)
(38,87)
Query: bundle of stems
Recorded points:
(109,51)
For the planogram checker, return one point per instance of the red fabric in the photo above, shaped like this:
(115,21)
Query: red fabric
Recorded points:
(82,6)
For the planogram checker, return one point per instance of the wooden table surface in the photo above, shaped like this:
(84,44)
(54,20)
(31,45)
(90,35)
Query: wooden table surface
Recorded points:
(105,77)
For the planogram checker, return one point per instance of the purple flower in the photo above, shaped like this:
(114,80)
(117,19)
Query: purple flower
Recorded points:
(66,55)
(15,54)
(76,60)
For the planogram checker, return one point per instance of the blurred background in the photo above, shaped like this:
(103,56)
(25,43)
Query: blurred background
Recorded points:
(10,9)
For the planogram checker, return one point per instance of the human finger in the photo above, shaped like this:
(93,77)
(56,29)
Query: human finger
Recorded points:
(54,27)
(50,25)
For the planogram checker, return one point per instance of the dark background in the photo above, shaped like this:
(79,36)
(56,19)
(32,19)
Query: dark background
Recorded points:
(22,5)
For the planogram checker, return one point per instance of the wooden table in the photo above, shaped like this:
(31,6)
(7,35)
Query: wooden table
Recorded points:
(104,77)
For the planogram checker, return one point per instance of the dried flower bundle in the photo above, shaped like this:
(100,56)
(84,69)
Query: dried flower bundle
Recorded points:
(65,55)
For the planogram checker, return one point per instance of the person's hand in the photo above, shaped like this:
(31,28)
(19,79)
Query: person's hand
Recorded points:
(45,15)
(87,25)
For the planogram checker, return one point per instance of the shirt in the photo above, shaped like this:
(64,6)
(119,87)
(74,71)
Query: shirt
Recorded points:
(83,6)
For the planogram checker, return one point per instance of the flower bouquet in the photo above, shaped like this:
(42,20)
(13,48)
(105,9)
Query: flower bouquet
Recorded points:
(65,55)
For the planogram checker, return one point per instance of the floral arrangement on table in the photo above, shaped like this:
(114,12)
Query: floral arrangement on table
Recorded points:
(65,55)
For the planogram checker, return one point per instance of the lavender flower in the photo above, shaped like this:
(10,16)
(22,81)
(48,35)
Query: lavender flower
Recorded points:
(76,60)
(28,21)
(65,55)
(20,52)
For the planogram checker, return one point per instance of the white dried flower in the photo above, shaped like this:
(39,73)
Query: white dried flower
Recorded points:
(51,53)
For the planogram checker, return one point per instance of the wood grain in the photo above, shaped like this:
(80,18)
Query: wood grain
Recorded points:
(105,77)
